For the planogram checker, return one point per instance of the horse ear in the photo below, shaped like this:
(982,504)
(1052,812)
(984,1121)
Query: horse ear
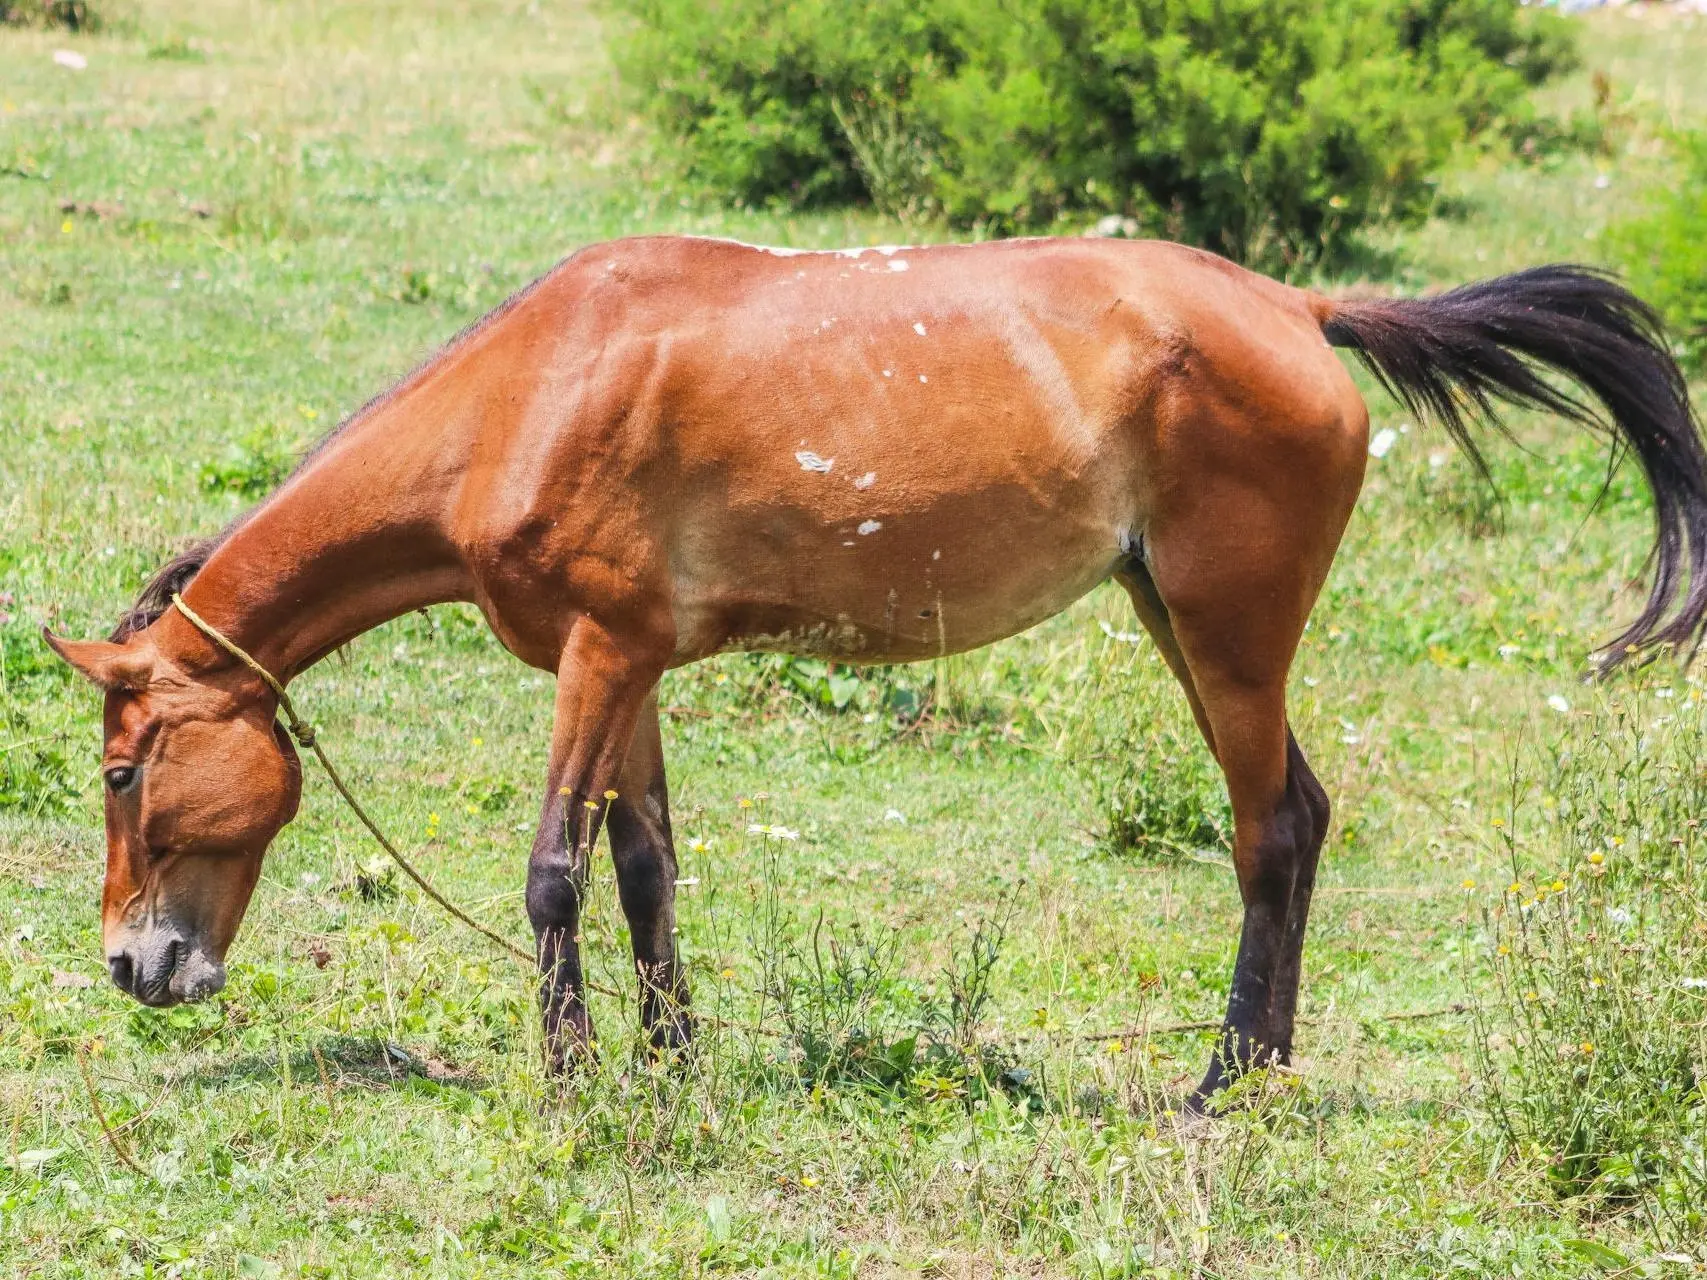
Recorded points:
(103,663)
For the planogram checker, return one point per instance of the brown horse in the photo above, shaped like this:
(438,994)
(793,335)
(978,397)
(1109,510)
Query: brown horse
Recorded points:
(671,448)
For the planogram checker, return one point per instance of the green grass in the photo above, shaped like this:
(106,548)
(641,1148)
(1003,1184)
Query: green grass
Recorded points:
(276,210)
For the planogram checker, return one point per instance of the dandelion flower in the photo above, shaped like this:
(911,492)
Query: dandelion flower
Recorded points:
(744,803)
(1499,822)
(726,974)
(1558,886)
(610,795)
(1514,887)
(1502,950)
(1596,858)
(1587,1046)
(1468,883)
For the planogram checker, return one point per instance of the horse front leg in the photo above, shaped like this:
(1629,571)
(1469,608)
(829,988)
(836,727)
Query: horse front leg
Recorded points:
(603,681)
(644,854)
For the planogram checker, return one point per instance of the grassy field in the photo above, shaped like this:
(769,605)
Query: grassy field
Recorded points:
(242,219)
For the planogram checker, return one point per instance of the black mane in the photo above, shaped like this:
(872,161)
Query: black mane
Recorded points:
(156,597)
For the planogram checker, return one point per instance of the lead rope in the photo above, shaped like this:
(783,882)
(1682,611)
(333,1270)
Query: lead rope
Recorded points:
(304,733)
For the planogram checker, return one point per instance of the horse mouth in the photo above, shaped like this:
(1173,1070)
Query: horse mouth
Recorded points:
(178,972)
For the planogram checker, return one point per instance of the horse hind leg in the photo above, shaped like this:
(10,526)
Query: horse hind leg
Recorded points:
(1225,589)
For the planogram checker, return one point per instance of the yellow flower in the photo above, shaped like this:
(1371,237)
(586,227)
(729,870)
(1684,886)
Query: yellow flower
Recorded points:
(1588,1046)
(808,1181)
(1531,996)
(1502,950)
(1514,887)
(727,974)
(591,804)
(1596,858)
(480,742)
(1115,1046)
(564,791)
(1469,884)
(610,795)
(471,808)
(1499,822)
(744,803)
(1558,886)
(433,818)
(65,227)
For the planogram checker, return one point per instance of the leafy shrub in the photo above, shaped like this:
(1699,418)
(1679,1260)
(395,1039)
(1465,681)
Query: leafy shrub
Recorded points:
(1591,1045)
(1261,128)
(73,15)
(1664,251)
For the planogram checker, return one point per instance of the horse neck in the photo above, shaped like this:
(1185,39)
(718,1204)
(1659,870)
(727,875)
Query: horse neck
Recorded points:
(358,536)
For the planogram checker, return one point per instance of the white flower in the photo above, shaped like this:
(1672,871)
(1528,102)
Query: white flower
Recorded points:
(1125,637)
(1695,984)
(1618,915)
(1384,440)
(1558,703)
(1510,651)
(778,833)
(894,815)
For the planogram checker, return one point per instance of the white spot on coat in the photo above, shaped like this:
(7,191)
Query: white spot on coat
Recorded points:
(889,373)
(922,378)
(866,481)
(919,327)
(936,555)
(810,461)
(869,527)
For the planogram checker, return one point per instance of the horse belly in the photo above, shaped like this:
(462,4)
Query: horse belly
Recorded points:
(893,585)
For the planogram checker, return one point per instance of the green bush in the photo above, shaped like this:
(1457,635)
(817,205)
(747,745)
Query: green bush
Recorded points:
(1267,129)
(73,15)
(1590,1037)
(1664,251)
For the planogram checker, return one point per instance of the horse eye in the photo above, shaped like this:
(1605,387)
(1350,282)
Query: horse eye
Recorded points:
(120,779)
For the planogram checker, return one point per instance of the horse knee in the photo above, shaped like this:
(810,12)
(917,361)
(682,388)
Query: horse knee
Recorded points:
(553,892)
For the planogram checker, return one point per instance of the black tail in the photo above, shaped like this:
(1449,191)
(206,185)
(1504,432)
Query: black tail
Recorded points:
(1453,356)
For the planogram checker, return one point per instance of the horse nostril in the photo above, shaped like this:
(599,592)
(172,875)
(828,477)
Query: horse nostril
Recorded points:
(174,953)
(123,972)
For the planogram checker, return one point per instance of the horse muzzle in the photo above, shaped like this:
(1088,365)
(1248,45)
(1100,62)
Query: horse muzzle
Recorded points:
(165,968)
